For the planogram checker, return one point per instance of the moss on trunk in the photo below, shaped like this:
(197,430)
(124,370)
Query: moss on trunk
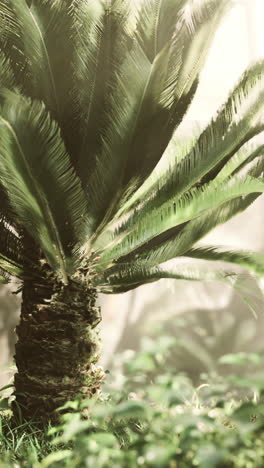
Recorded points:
(57,347)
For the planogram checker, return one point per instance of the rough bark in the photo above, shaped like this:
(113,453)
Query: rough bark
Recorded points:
(57,348)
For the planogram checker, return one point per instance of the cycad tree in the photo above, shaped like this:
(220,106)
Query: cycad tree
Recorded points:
(91,93)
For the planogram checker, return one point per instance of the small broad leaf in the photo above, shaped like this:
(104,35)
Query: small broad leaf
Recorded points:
(210,456)
(55,457)
(240,359)
(254,383)
(75,427)
(104,439)
(159,457)
(130,409)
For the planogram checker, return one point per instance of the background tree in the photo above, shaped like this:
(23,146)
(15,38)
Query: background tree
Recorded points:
(91,94)
(197,337)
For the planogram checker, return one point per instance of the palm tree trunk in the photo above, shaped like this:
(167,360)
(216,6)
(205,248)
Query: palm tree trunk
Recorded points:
(57,348)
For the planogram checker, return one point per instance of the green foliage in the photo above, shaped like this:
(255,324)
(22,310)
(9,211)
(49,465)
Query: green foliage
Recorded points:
(146,417)
(91,96)
(38,177)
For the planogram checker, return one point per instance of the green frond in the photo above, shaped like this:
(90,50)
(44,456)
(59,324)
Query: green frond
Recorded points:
(101,43)
(37,38)
(14,260)
(239,121)
(10,243)
(110,163)
(247,161)
(240,152)
(39,179)
(177,50)
(175,147)
(91,95)
(249,260)
(179,240)
(156,21)
(243,159)
(126,275)
(7,78)
(156,204)
(149,100)
(3,279)
(9,269)
(132,234)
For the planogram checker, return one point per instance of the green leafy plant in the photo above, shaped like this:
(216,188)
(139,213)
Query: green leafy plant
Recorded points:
(91,95)
(166,423)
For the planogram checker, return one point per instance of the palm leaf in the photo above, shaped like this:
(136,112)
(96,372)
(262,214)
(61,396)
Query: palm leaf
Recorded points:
(110,163)
(176,150)
(156,20)
(125,275)
(249,260)
(244,158)
(9,269)
(39,179)
(179,240)
(129,236)
(239,120)
(7,79)
(140,272)
(11,258)
(38,39)
(15,259)
(27,34)
(101,43)
(179,51)
(245,99)
(4,279)
(159,207)
(147,104)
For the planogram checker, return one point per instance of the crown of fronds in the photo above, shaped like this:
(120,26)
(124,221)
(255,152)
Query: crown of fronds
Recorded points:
(92,93)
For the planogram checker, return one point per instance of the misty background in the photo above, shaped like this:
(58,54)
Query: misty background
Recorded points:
(208,319)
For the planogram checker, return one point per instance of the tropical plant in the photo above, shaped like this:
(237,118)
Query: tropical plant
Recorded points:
(91,95)
(165,423)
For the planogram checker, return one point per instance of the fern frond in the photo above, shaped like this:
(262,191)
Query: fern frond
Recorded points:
(39,179)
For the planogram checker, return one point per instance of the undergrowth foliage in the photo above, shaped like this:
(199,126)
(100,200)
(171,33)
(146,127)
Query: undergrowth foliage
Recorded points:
(147,418)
